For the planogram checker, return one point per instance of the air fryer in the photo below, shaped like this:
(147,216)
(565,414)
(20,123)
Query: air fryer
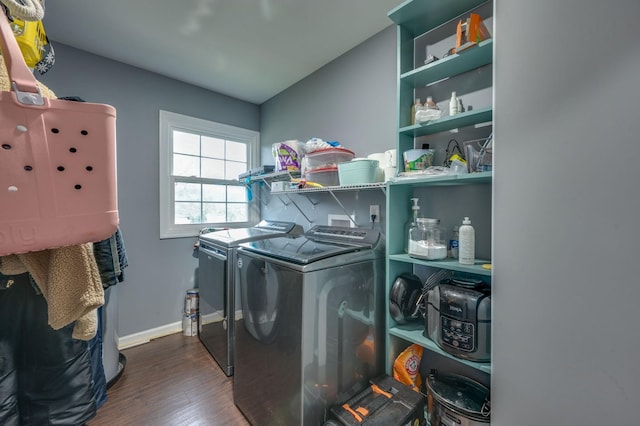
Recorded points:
(458,318)
(404,298)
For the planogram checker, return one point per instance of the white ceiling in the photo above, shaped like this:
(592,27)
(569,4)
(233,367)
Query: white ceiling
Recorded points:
(248,49)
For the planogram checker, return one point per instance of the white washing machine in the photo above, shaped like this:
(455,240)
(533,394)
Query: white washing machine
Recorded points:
(217,288)
(311,332)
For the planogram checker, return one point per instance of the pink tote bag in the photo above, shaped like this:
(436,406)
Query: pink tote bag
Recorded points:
(57,164)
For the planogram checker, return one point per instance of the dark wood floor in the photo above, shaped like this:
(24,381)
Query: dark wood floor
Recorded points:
(170,381)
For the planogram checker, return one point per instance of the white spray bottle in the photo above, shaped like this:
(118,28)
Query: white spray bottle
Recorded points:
(467,243)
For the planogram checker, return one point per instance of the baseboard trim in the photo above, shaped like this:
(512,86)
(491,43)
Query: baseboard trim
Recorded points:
(146,336)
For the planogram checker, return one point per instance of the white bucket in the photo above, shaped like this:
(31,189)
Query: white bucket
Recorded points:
(391,158)
(390,173)
(381,158)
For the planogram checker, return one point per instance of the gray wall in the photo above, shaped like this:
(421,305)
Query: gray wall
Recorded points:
(160,271)
(566,333)
(351,100)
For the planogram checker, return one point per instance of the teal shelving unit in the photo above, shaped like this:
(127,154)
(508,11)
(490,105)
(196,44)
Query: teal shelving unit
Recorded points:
(415,19)
(420,16)
(464,119)
(448,264)
(414,334)
(450,66)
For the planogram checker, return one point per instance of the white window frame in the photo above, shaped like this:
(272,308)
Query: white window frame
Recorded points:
(170,121)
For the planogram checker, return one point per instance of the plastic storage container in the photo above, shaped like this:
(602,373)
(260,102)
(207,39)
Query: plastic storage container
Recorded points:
(427,240)
(325,158)
(382,163)
(324,176)
(358,171)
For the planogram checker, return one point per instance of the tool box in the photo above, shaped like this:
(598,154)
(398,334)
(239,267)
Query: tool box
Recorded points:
(386,402)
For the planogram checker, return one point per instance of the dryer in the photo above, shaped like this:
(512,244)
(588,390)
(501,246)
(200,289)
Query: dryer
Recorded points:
(312,332)
(217,288)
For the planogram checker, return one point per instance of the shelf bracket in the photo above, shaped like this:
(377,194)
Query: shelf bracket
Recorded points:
(352,219)
(282,201)
(264,196)
(299,209)
(263,181)
(313,203)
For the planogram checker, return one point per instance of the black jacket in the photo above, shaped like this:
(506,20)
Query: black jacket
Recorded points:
(45,374)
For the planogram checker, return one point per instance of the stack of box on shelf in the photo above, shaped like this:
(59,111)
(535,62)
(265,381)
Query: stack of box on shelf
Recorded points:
(321,166)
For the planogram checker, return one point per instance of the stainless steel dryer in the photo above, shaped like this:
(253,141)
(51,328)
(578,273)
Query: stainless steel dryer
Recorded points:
(311,332)
(217,288)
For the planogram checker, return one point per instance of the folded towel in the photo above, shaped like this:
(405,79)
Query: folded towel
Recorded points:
(70,282)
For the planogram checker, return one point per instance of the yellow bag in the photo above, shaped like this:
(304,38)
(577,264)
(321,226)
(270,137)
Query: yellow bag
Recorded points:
(31,39)
(406,367)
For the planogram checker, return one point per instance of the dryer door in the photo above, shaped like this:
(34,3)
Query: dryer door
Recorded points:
(261,300)
(267,374)
(270,295)
(216,309)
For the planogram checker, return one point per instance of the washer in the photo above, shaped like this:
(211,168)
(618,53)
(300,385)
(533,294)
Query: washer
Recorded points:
(311,332)
(217,288)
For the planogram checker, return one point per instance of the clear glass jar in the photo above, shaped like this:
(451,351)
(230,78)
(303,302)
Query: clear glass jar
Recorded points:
(427,240)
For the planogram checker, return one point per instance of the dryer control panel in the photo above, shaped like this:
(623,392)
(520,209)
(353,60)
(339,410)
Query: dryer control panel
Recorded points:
(343,235)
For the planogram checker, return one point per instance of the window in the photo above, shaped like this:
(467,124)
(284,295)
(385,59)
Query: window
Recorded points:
(200,162)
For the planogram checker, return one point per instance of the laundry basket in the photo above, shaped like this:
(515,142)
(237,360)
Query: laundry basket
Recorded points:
(57,164)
